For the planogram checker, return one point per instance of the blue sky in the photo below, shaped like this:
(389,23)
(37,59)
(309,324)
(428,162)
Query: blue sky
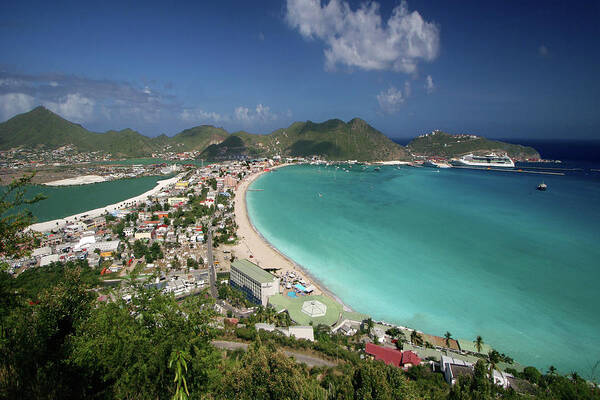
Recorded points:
(499,69)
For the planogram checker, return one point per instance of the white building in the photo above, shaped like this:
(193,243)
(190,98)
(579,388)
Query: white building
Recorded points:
(257,283)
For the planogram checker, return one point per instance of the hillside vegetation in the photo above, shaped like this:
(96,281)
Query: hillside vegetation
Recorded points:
(333,139)
(439,143)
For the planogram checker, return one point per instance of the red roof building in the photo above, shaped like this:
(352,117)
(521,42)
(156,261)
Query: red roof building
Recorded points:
(410,359)
(392,356)
(385,354)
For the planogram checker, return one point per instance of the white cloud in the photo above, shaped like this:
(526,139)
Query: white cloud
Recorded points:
(543,51)
(73,107)
(12,104)
(429,85)
(361,39)
(53,83)
(390,100)
(261,113)
(198,115)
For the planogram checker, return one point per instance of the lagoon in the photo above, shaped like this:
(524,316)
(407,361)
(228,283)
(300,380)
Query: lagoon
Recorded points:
(68,200)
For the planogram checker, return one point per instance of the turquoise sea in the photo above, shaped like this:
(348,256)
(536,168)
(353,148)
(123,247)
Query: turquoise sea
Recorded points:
(63,201)
(470,252)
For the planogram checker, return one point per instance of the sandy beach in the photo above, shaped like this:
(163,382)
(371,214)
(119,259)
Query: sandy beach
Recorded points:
(252,243)
(57,223)
(79,180)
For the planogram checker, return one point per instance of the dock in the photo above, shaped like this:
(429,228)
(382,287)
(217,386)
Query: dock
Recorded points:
(519,171)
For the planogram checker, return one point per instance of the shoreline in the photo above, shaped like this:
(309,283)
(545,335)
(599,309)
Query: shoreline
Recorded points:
(263,251)
(61,222)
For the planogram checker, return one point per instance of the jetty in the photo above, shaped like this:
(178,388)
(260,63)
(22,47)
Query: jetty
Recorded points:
(520,171)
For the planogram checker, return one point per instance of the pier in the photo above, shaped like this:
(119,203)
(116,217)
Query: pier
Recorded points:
(520,171)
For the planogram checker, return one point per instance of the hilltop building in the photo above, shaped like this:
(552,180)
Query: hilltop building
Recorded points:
(257,283)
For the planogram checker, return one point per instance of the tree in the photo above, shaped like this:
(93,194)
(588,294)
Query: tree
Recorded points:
(416,338)
(370,325)
(180,358)
(191,263)
(478,343)
(13,241)
(448,336)
(493,360)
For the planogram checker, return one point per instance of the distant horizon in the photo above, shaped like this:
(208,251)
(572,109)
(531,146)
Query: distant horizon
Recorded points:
(396,139)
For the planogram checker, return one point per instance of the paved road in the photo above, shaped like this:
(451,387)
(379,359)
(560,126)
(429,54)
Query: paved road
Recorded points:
(311,361)
(211,266)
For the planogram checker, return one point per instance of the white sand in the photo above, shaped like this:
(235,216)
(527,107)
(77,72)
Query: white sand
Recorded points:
(251,243)
(79,180)
(58,223)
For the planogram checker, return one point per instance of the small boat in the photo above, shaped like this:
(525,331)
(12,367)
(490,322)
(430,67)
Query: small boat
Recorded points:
(377,169)
(542,187)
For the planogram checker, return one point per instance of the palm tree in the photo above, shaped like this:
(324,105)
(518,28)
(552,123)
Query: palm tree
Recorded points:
(415,338)
(370,325)
(493,360)
(448,336)
(478,343)
(552,370)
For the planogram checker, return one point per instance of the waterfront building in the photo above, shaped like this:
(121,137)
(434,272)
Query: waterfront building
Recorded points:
(257,283)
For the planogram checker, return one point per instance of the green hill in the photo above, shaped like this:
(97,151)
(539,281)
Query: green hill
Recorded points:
(198,138)
(333,139)
(40,127)
(442,144)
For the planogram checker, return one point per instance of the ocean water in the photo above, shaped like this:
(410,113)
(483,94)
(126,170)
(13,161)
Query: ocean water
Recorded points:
(470,252)
(63,201)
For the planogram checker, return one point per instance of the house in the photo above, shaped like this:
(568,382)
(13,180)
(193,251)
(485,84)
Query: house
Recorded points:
(409,359)
(385,354)
(299,332)
(393,357)
(452,368)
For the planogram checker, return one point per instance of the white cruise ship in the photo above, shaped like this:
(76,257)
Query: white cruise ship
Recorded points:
(489,160)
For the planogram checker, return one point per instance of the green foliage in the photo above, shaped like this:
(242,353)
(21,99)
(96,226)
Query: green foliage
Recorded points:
(13,242)
(263,373)
(376,380)
(446,145)
(32,282)
(129,346)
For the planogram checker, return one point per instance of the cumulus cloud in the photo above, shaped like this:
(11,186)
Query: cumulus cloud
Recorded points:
(390,100)
(196,115)
(429,85)
(74,107)
(261,113)
(12,104)
(258,115)
(82,99)
(359,38)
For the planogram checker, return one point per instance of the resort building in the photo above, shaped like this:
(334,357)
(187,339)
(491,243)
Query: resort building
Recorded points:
(257,283)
